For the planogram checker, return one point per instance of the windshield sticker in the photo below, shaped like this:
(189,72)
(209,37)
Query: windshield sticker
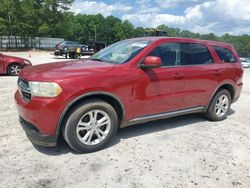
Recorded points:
(141,45)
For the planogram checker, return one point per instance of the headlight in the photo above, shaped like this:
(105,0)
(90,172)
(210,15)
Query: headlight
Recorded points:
(45,89)
(27,62)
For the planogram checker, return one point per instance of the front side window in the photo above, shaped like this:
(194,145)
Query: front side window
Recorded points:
(121,52)
(195,54)
(224,54)
(168,52)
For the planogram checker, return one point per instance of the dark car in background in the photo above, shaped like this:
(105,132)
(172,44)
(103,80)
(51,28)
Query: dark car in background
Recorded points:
(70,46)
(12,65)
(245,62)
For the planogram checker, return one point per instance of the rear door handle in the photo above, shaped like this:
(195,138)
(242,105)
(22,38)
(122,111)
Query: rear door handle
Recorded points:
(177,76)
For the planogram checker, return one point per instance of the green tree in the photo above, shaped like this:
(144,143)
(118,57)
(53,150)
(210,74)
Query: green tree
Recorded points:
(51,18)
(32,17)
(138,32)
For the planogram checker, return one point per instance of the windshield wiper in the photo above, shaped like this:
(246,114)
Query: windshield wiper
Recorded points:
(102,60)
(96,59)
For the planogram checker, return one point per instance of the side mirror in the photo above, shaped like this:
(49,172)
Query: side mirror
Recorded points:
(151,62)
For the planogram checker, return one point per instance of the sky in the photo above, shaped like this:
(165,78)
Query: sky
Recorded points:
(203,16)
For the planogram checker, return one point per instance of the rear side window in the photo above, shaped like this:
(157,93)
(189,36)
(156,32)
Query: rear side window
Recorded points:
(195,54)
(168,52)
(225,54)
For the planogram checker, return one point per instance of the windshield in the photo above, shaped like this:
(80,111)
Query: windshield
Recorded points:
(121,52)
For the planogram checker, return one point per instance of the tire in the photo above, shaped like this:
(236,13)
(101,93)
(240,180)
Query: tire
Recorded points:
(14,69)
(65,49)
(83,48)
(219,106)
(85,135)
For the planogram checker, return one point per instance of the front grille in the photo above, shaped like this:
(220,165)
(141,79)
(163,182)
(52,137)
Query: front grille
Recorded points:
(26,95)
(24,88)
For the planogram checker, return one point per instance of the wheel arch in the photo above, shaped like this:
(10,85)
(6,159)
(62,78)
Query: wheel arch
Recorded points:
(13,63)
(110,98)
(228,86)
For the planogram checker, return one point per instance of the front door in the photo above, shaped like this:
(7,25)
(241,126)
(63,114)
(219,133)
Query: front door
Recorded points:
(159,90)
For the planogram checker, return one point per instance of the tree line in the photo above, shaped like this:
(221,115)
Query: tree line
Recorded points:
(52,18)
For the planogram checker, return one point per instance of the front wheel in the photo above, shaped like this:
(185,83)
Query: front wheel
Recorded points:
(220,106)
(90,126)
(14,69)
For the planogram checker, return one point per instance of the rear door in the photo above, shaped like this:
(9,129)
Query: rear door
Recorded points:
(75,45)
(202,74)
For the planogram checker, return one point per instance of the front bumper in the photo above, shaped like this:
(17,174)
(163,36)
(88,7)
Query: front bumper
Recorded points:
(39,118)
(26,65)
(35,137)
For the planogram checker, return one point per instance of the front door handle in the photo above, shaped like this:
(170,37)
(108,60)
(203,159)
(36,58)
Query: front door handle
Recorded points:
(178,76)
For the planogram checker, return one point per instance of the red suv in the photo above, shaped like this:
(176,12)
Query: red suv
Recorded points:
(130,82)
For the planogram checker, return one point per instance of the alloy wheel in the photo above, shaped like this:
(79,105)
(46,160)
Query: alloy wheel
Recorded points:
(93,127)
(15,69)
(221,106)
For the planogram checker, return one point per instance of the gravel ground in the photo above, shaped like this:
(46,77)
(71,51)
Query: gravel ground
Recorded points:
(187,151)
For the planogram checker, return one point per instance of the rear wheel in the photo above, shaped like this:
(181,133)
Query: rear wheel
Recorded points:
(83,48)
(65,49)
(220,106)
(14,69)
(90,126)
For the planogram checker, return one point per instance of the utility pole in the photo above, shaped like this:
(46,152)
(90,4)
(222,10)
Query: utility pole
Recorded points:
(9,13)
(10,37)
(95,33)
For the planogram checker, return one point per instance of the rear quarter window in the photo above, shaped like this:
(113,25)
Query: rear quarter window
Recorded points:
(225,54)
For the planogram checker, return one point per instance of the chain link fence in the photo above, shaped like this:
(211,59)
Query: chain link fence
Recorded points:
(17,42)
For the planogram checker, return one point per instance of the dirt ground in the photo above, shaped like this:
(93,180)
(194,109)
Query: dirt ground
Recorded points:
(186,151)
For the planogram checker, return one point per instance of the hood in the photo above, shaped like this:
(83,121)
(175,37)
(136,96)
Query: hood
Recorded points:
(14,58)
(63,70)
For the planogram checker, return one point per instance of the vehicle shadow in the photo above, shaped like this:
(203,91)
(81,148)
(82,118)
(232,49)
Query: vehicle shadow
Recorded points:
(6,75)
(134,131)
